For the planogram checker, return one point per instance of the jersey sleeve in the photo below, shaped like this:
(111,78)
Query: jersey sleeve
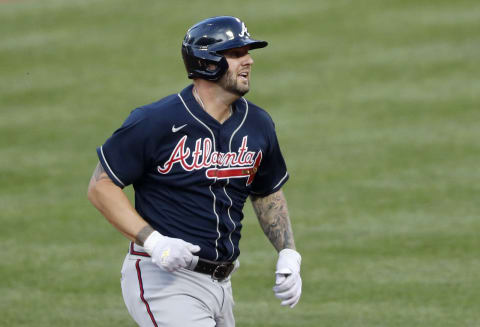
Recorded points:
(272,172)
(125,155)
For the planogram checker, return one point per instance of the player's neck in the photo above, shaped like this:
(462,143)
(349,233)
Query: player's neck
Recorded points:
(213,99)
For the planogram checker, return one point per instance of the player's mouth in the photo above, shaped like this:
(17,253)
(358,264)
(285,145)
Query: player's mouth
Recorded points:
(244,76)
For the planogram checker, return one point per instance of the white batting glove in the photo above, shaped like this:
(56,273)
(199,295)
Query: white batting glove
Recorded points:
(169,253)
(288,283)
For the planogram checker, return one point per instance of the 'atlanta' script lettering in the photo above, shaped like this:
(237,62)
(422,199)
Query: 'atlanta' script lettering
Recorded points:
(245,162)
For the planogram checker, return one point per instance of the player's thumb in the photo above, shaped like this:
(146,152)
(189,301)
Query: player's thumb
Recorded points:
(279,278)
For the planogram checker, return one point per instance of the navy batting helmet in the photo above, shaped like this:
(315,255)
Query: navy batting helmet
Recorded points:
(204,42)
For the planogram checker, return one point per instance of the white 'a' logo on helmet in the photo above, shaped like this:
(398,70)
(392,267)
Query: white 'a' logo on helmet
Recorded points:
(244,31)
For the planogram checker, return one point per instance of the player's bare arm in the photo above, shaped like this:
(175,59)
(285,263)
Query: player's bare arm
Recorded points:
(114,205)
(272,213)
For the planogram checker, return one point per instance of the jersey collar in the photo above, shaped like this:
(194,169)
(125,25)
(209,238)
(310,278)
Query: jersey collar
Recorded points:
(239,110)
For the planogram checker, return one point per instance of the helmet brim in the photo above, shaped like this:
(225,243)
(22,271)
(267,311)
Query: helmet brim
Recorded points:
(257,44)
(238,43)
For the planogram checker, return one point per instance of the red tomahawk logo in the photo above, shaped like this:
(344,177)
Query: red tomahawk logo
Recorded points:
(224,173)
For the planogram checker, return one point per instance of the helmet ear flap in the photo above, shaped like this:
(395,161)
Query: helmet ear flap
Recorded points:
(212,70)
(203,64)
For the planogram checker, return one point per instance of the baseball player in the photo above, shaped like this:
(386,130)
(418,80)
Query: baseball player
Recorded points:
(193,158)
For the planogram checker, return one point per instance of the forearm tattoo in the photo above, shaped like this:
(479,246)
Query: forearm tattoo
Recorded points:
(100,173)
(272,213)
(143,234)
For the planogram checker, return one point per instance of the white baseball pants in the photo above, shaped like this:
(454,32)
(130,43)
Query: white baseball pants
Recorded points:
(184,298)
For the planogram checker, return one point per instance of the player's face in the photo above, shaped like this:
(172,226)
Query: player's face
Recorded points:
(237,78)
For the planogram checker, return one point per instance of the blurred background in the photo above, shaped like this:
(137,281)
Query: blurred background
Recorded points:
(376,105)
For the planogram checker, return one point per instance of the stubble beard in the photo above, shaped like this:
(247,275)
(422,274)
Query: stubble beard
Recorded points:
(229,83)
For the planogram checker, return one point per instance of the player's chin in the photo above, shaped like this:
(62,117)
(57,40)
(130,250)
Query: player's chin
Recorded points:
(242,91)
(243,88)
(239,90)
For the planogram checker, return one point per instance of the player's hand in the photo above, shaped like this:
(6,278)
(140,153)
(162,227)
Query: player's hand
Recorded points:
(169,253)
(288,283)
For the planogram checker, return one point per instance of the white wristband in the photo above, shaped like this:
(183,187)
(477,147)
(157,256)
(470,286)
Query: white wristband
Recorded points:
(291,253)
(151,241)
(289,261)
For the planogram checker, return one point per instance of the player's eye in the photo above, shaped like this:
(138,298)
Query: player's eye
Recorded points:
(236,53)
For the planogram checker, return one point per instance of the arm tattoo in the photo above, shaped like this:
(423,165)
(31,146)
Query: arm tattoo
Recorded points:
(100,173)
(143,234)
(272,213)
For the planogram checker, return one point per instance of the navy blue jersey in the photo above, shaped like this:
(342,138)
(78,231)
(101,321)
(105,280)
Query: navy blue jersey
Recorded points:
(192,174)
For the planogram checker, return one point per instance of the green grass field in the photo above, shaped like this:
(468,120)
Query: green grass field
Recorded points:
(377,108)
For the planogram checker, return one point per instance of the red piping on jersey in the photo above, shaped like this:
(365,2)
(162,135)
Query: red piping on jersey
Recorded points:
(139,274)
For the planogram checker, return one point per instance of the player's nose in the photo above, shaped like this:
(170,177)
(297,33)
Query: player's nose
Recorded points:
(247,59)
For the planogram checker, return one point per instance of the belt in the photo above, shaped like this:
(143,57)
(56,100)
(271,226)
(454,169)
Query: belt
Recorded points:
(218,270)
